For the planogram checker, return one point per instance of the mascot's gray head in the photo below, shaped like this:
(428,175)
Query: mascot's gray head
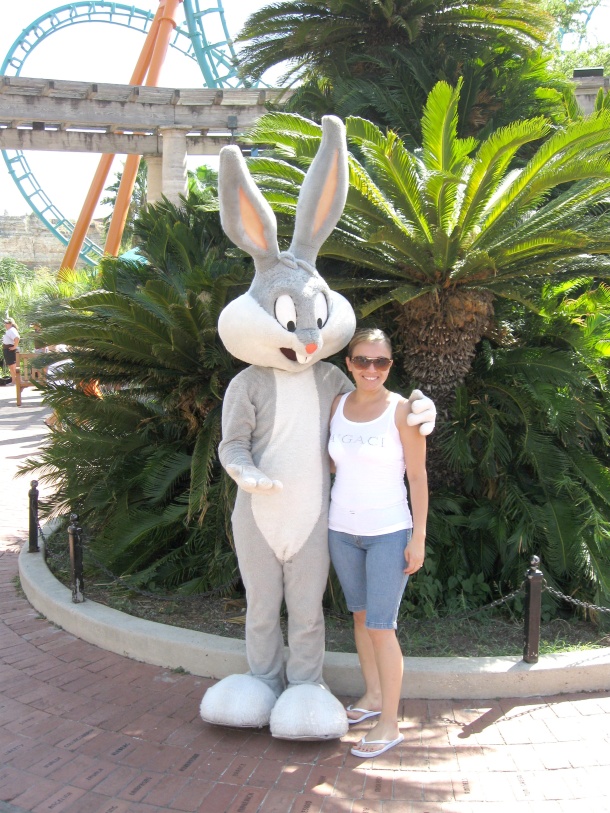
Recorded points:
(289,319)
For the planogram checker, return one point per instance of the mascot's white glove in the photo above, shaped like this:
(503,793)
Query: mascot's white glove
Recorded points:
(253,480)
(423,412)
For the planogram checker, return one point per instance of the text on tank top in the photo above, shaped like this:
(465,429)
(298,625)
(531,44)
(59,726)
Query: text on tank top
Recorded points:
(369,492)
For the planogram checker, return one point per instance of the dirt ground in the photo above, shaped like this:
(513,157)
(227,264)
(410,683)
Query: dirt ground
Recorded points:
(442,637)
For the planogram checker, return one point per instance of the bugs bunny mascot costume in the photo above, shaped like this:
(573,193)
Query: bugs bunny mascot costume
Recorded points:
(275,430)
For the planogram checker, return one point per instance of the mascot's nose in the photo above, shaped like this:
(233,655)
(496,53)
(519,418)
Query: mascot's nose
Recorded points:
(311,348)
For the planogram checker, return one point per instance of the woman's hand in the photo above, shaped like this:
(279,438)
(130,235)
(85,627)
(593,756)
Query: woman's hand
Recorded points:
(414,554)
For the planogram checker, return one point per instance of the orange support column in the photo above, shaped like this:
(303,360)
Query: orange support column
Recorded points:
(86,215)
(167,23)
(99,180)
(121,205)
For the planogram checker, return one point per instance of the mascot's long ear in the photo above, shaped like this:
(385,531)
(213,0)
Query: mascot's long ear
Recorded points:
(323,193)
(246,217)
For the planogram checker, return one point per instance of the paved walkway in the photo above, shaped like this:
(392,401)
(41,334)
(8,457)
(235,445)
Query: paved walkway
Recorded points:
(86,731)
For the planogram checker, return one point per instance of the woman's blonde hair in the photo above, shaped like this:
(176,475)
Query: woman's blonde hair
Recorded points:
(8,319)
(368,334)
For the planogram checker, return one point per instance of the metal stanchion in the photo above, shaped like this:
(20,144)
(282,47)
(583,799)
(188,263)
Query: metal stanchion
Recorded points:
(533,604)
(75,542)
(33,529)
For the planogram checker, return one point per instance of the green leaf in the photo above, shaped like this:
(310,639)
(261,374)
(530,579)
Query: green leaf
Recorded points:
(596,475)
(204,456)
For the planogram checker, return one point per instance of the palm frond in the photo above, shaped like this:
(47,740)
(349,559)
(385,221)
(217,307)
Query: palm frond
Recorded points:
(490,164)
(442,150)
(204,456)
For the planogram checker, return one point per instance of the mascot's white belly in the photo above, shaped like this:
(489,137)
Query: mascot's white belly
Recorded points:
(292,455)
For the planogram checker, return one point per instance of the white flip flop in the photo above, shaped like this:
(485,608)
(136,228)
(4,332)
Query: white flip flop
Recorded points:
(364,714)
(386,745)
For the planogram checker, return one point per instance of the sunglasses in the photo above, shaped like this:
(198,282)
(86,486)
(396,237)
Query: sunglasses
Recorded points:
(363,362)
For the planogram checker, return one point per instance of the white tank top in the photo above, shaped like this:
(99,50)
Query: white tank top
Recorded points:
(369,495)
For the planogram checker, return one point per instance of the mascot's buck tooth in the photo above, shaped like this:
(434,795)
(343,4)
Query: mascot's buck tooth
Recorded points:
(275,425)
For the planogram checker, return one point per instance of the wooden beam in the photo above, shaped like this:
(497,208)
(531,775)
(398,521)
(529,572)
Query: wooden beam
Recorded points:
(96,142)
(133,116)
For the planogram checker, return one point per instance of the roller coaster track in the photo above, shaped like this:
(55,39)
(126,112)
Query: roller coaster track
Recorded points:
(216,60)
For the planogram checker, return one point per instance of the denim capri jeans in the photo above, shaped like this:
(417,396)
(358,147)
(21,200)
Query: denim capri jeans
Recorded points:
(371,572)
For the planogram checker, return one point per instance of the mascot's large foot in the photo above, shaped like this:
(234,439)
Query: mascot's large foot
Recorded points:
(238,700)
(308,712)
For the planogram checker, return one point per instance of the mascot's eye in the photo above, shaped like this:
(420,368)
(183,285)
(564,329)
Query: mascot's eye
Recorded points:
(286,313)
(320,307)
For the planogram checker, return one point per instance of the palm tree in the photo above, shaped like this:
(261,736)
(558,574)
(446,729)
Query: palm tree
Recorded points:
(448,230)
(324,36)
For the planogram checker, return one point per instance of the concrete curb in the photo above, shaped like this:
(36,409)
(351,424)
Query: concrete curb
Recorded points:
(213,656)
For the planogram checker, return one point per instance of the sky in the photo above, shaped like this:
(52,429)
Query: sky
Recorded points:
(91,52)
(100,52)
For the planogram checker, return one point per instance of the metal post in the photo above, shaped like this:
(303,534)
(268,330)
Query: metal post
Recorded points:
(533,603)
(75,543)
(33,530)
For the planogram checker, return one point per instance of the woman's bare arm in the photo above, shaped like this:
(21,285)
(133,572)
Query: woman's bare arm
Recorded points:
(414,448)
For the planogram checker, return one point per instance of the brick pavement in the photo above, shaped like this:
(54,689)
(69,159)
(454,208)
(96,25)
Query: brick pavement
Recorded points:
(87,731)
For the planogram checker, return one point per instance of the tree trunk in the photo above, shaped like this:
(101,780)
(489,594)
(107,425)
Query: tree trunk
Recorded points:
(437,336)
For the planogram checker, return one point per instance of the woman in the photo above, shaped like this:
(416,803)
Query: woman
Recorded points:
(10,343)
(375,543)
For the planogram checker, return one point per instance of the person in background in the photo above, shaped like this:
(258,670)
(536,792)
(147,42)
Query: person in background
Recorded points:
(10,343)
(375,542)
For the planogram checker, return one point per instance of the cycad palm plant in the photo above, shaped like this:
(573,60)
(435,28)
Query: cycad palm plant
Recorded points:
(139,464)
(453,247)
(446,230)
(379,60)
(527,432)
(498,87)
(324,36)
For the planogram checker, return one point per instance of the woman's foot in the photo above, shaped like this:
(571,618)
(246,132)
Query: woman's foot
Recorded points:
(369,748)
(367,706)
(380,738)
(355,714)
